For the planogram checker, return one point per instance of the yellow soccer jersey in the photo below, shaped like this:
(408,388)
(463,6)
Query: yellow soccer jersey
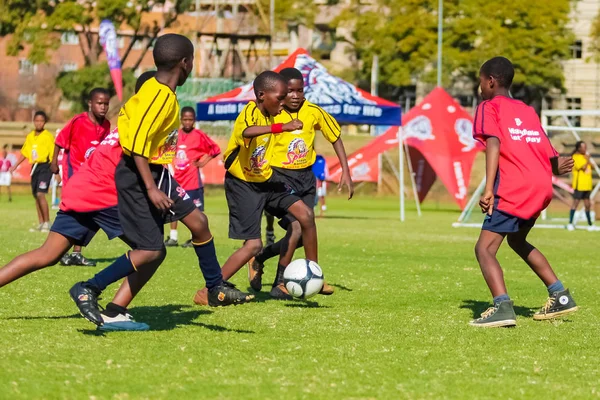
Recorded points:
(40,148)
(296,150)
(248,159)
(148,123)
(582,178)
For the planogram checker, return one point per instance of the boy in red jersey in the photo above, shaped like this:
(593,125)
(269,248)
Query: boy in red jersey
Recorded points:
(520,161)
(79,138)
(194,150)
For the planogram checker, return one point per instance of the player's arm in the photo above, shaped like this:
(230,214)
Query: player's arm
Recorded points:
(54,163)
(561,165)
(492,157)
(254,131)
(16,165)
(158,198)
(346,178)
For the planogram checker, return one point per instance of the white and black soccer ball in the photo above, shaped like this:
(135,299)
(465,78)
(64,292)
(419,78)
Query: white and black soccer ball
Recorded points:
(303,278)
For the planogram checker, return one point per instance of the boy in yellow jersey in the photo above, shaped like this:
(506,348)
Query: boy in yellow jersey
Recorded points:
(293,155)
(249,185)
(38,149)
(582,182)
(148,196)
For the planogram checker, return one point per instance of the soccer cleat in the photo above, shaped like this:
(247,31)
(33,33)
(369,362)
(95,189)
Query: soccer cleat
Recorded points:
(86,299)
(279,292)
(559,304)
(45,228)
(79,260)
(327,289)
(500,315)
(201,297)
(65,260)
(270,238)
(255,273)
(570,227)
(226,294)
(122,321)
(37,229)
(188,244)
(171,243)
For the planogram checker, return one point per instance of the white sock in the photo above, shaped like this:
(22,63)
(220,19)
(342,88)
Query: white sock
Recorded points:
(173,234)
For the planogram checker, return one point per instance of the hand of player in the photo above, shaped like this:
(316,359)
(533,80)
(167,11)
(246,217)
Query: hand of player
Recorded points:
(565,165)
(160,200)
(54,168)
(486,202)
(346,180)
(293,125)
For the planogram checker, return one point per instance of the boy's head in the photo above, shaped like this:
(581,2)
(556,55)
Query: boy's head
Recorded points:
(295,83)
(39,120)
(580,147)
(495,77)
(175,54)
(143,78)
(270,89)
(188,117)
(98,103)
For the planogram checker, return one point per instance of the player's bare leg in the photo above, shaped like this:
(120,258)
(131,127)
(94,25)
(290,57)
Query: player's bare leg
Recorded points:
(47,255)
(306,218)
(288,245)
(44,207)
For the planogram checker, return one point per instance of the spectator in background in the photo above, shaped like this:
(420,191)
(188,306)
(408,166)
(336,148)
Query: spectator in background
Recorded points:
(6,161)
(582,182)
(320,170)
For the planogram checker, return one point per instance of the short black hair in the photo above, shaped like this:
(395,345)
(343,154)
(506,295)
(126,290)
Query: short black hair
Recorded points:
(578,145)
(501,69)
(266,81)
(43,114)
(170,49)
(290,74)
(98,91)
(143,78)
(188,109)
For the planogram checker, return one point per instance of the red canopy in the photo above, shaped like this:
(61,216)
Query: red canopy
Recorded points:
(439,134)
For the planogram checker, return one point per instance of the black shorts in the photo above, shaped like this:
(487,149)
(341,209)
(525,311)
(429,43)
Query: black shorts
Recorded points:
(80,227)
(582,194)
(143,224)
(501,222)
(303,186)
(40,178)
(248,200)
(197,196)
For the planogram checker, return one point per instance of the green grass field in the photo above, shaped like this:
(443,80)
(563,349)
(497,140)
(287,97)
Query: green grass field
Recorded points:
(396,327)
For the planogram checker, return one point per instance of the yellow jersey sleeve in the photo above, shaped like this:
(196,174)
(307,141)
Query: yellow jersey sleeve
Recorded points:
(26,149)
(148,123)
(326,124)
(582,178)
(579,161)
(40,148)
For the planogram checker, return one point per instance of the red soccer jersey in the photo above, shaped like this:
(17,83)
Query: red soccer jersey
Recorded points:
(79,138)
(93,187)
(191,147)
(523,186)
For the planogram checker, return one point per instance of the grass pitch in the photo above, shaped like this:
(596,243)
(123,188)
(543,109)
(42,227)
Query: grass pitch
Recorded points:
(396,327)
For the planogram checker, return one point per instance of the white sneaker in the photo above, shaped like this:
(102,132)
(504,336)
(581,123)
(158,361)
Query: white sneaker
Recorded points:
(39,228)
(593,228)
(45,228)
(121,322)
(570,227)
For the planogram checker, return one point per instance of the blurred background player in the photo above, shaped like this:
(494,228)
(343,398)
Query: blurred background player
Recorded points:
(78,139)
(38,149)
(582,183)
(6,161)
(194,150)
(319,168)
(520,161)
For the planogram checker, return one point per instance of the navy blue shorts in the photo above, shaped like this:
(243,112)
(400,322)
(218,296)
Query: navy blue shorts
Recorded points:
(80,228)
(197,196)
(501,222)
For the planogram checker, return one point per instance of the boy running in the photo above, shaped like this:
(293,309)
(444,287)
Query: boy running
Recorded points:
(38,147)
(194,150)
(520,161)
(79,138)
(293,156)
(148,196)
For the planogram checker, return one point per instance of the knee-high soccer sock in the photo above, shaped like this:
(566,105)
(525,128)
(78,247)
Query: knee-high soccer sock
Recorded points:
(209,265)
(555,287)
(589,218)
(501,298)
(119,269)
(571,216)
(279,275)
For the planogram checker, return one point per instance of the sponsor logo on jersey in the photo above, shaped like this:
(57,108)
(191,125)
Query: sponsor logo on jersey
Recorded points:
(257,160)
(297,152)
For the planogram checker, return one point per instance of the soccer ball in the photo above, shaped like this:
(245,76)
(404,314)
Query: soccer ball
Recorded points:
(303,278)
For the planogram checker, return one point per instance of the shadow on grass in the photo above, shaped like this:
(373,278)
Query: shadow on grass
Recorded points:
(341,287)
(169,317)
(25,318)
(306,304)
(477,307)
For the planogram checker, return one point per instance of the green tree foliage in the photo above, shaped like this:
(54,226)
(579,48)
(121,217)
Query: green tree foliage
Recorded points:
(595,36)
(288,12)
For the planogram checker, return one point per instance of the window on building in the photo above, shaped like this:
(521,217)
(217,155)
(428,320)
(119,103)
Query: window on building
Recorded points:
(27,100)
(26,67)
(69,38)
(574,103)
(139,44)
(577,49)
(70,66)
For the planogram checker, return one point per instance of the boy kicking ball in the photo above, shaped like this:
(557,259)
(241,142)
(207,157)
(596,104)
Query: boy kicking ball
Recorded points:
(520,161)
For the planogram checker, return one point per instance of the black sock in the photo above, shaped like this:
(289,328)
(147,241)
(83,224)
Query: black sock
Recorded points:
(589,217)
(209,265)
(119,269)
(269,252)
(571,216)
(279,275)
(112,310)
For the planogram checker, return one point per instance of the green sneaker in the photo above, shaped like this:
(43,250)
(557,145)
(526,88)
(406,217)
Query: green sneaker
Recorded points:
(499,315)
(559,304)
